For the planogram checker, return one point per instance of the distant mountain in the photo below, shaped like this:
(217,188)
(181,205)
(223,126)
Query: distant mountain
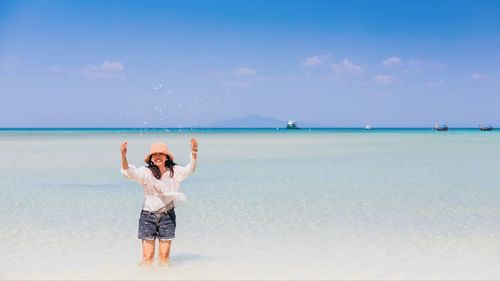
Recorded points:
(256,121)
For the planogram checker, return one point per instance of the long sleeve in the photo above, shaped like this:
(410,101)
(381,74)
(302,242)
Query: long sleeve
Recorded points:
(133,173)
(182,172)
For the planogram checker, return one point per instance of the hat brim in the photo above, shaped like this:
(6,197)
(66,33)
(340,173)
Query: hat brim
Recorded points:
(146,159)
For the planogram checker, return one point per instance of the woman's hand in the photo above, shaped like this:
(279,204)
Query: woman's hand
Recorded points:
(124,147)
(194,148)
(194,145)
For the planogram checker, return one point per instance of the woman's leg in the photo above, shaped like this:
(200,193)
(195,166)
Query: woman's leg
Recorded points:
(148,252)
(164,254)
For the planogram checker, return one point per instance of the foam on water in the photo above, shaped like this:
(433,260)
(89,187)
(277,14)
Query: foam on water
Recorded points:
(262,205)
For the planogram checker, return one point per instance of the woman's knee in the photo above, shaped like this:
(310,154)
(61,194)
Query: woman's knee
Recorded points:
(148,249)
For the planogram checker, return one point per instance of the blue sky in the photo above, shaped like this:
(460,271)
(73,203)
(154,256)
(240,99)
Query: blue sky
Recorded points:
(192,63)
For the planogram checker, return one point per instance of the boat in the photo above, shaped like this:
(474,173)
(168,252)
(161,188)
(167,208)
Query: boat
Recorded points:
(291,125)
(440,127)
(487,128)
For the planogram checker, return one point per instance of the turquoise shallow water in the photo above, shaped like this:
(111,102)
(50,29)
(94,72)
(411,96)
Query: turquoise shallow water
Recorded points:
(263,204)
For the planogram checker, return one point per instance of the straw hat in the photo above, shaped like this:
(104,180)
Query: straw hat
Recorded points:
(158,147)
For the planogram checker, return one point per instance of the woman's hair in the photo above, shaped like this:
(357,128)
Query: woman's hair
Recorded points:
(169,163)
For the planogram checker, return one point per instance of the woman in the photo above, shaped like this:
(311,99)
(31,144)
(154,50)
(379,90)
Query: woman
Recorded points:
(161,180)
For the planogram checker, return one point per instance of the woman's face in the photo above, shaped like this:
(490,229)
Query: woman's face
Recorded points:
(159,159)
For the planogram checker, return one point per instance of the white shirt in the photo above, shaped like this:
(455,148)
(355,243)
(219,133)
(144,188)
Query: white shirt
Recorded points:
(160,192)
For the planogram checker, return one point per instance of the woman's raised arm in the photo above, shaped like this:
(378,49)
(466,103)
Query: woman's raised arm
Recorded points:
(124,155)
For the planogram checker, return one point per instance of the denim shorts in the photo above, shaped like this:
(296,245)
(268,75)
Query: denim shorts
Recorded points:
(157,225)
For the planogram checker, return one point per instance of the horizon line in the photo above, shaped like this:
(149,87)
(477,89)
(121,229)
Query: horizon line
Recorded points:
(216,128)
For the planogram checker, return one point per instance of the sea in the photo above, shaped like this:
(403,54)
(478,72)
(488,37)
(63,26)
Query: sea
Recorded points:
(263,204)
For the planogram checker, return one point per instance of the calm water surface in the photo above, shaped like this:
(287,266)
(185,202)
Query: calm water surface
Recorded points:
(263,204)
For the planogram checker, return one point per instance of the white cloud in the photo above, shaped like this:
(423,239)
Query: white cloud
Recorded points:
(57,69)
(392,61)
(312,61)
(384,79)
(261,78)
(112,66)
(107,70)
(233,84)
(478,76)
(244,71)
(434,84)
(347,67)
(419,66)
(315,60)
(10,62)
